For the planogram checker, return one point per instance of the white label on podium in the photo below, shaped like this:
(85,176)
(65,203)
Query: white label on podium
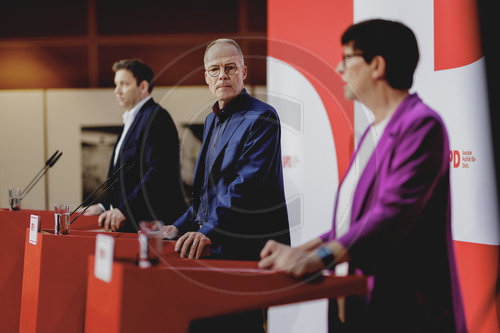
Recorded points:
(103,263)
(34,220)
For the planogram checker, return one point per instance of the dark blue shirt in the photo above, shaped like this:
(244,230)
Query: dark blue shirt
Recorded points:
(217,130)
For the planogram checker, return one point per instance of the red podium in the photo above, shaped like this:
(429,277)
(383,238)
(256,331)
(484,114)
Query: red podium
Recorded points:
(55,278)
(12,237)
(170,296)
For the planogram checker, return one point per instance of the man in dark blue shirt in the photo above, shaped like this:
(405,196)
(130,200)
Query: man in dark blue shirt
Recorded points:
(239,201)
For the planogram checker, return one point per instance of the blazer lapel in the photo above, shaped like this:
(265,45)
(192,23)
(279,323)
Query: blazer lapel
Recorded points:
(383,149)
(111,163)
(355,200)
(137,120)
(198,170)
(364,184)
(234,123)
(133,127)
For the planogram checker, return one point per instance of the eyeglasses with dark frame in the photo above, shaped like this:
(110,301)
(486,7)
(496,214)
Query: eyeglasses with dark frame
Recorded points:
(229,69)
(347,56)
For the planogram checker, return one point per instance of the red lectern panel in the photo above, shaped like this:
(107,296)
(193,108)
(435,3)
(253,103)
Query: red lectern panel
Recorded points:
(55,279)
(171,296)
(12,236)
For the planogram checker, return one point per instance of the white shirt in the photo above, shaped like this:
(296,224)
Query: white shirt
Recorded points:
(346,191)
(128,118)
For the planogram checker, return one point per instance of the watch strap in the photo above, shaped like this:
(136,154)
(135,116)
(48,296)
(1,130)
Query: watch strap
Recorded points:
(326,256)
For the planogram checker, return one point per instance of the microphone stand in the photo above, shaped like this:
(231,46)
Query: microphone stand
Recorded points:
(41,170)
(49,164)
(97,189)
(97,197)
(15,199)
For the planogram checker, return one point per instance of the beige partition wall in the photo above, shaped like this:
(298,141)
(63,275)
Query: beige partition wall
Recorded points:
(35,123)
(70,109)
(67,111)
(22,144)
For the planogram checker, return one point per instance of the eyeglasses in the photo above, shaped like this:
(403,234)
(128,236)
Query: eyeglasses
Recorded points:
(347,56)
(231,69)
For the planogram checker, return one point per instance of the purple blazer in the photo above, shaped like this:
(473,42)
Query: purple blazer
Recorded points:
(400,229)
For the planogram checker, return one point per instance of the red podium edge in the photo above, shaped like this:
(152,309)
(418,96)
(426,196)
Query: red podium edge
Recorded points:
(161,298)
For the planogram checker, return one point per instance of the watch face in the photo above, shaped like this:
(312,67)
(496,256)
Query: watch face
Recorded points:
(326,256)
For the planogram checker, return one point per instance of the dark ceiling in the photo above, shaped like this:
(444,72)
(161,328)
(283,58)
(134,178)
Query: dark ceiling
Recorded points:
(73,44)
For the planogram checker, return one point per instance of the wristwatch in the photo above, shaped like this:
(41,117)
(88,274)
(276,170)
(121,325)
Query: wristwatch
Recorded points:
(326,256)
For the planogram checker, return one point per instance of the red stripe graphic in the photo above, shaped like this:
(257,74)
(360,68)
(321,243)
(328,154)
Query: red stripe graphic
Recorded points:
(477,266)
(456,33)
(307,37)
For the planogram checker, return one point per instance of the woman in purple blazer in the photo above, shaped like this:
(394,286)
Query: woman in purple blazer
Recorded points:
(392,212)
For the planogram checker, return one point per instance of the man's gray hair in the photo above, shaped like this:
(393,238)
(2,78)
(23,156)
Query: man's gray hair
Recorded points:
(224,41)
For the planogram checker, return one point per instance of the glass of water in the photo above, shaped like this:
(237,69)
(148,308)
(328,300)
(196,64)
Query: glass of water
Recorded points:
(61,219)
(15,198)
(150,245)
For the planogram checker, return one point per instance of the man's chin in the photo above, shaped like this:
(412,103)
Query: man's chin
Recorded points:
(225,97)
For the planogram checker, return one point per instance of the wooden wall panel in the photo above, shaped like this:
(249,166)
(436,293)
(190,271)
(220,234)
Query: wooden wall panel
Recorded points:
(47,18)
(72,44)
(173,64)
(27,67)
(118,17)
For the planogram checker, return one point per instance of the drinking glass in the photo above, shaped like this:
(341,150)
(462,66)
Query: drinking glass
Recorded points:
(61,219)
(15,198)
(150,245)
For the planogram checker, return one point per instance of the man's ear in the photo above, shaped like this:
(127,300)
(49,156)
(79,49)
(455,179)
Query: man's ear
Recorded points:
(207,78)
(144,85)
(245,72)
(378,64)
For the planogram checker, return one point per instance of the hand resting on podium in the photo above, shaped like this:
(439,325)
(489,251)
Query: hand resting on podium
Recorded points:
(191,244)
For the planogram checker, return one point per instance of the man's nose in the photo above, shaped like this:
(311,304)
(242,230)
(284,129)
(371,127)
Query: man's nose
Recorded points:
(222,73)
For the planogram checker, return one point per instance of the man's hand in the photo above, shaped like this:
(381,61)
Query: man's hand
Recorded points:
(111,219)
(169,231)
(293,261)
(196,240)
(92,210)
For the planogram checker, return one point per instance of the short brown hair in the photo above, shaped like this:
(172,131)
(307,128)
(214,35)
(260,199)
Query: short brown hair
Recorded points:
(139,70)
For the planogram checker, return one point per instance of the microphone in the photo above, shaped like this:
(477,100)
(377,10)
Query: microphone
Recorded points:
(48,164)
(39,172)
(97,189)
(114,175)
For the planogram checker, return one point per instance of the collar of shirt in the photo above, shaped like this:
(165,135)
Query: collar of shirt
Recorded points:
(232,106)
(128,116)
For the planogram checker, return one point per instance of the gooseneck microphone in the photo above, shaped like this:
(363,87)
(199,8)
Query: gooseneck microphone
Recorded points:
(84,202)
(114,177)
(49,164)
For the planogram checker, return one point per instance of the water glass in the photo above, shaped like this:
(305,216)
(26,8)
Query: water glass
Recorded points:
(61,219)
(150,245)
(15,198)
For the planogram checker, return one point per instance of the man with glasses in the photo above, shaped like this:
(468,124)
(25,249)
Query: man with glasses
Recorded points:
(238,199)
(392,217)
